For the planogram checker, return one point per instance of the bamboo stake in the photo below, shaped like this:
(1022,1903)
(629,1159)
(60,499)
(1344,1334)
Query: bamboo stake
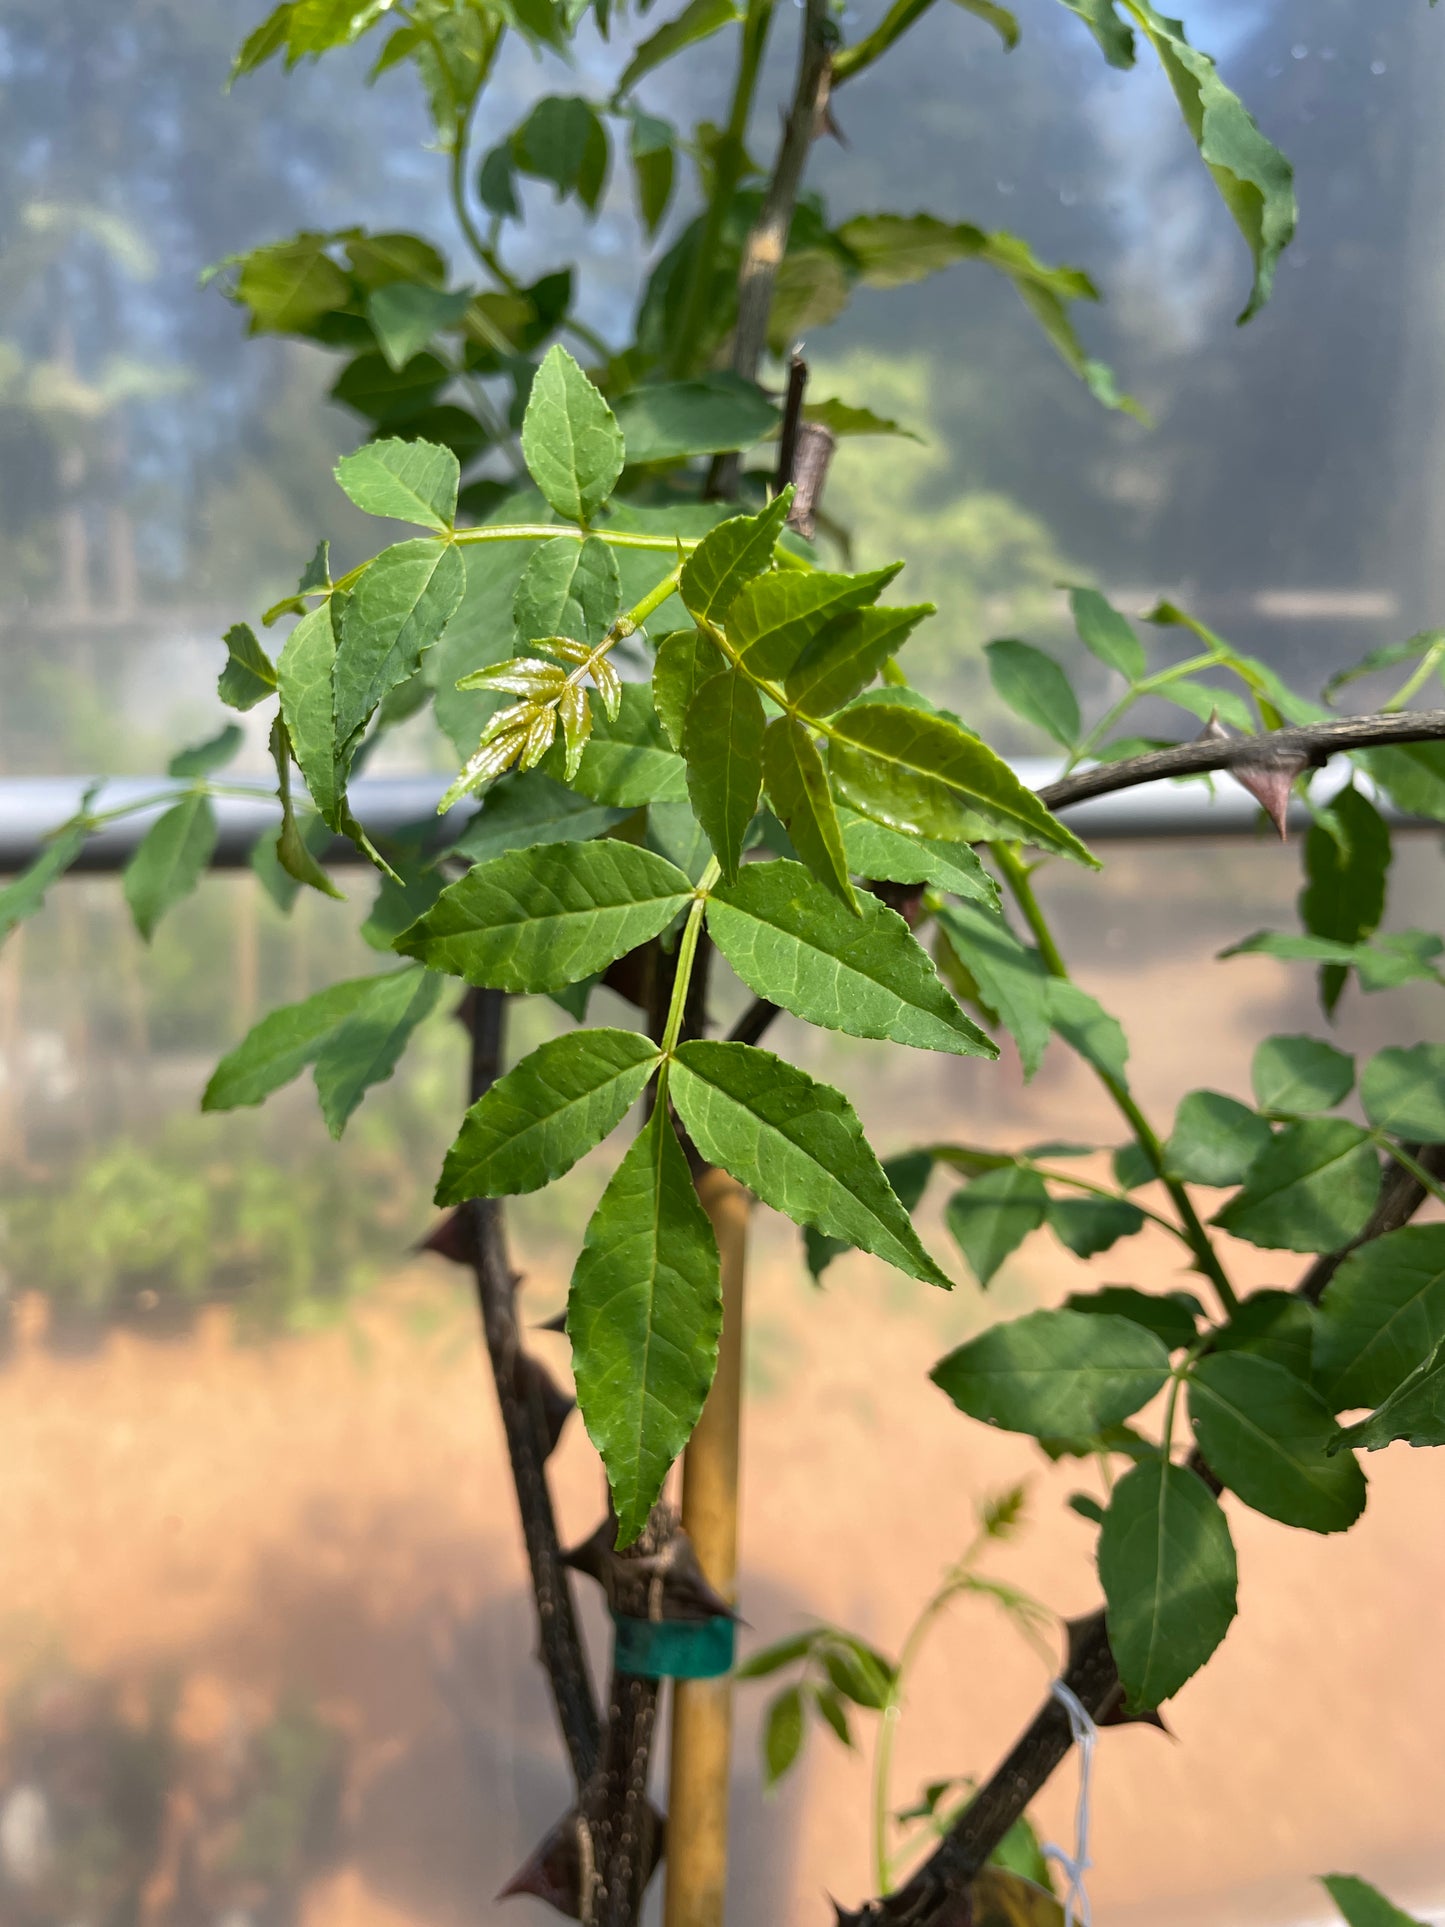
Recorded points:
(697,1830)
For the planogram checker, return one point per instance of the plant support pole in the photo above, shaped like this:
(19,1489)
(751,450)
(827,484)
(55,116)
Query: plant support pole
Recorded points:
(697,1852)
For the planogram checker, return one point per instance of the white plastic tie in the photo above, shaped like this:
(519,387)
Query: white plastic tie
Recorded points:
(1074,1866)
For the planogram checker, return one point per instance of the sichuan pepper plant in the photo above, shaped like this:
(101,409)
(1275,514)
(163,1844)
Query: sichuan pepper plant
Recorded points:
(687,742)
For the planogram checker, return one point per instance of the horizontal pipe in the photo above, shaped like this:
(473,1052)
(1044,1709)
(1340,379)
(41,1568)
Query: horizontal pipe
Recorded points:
(33,806)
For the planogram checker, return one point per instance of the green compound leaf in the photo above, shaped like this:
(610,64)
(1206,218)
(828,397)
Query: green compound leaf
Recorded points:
(654,163)
(529,809)
(772,621)
(1171,1316)
(844,657)
(570,439)
(543,918)
(404,316)
(628,760)
(728,557)
(1011,978)
(1403,1092)
(1273,1324)
(204,759)
(568,588)
(1085,1026)
(798,789)
(1381,1316)
(1300,1074)
(1265,1433)
(673,420)
(1311,1189)
(723,749)
(284,1043)
(1414,1413)
(1055,1374)
(23,896)
(367,1045)
(1347,859)
(643,1316)
(1105,633)
(170,861)
(921,773)
(782,1734)
(685,661)
(1036,688)
(548,1111)
(798,1145)
(882,855)
(401,605)
(793,943)
(563,141)
(991,1217)
(697,21)
(1215,1139)
(306,678)
(407,481)
(1091,1225)
(1167,1566)
(1360,1904)
(1412,776)
(249,676)
(908,1173)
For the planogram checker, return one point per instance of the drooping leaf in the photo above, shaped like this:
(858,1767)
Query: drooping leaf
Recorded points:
(296,850)
(685,661)
(305,676)
(991,1217)
(406,315)
(24,894)
(563,141)
(922,773)
(206,758)
(170,861)
(643,1315)
(844,656)
(1091,1225)
(1085,1025)
(1264,1432)
(1300,1074)
(1381,1316)
(793,943)
(542,918)
(1347,859)
(1055,1374)
(728,558)
(568,589)
(1007,29)
(782,1734)
(1102,630)
(1116,39)
(1011,977)
(399,609)
(407,481)
(889,856)
(1167,1565)
(532,809)
(1361,1904)
(842,418)
(1215,1139)
(653,164)
(1414,1412)
(798,789)
(1163,1313)
(570,439)
(1036,688)
(698,19)
(798,1145)
(249,676)
(552,1108)
(1403,1092)
(367,1045)
(283,1044)
(723,749)
(908,1174)
(1312,1188)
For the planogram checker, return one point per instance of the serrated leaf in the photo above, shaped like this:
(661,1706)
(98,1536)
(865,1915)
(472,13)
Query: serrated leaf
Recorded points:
(1055,1374)
(24,894)
(295,850)
(249,676)
(628,760)
(643,1315)
(568,588)
(1163,1313)
(1091,1225)
(698,20)
(782,1734)
(170,861)
(685,661)
(653,165)
(407,481)
(1035,687)
(908,1174)
(1011,977)
(399,902)
(563,141)
(532,809)
(1215,1139)
(404,317)
(542,918)
(1264,1432)
(1403,1092)
(993,1215)
(1275,1325)
(890,856)
(398,611)
(844,657)
(670,421)
(1361,1904)
(791,942)
(283,1044)
(1088,1028)
(1401,957)
(206,757)
(570,439)
(290,285)
(1116,39)
(1167,1565)
(305,677)
(723,749)
(1381,1316)
(798,789)
(1311,1189)
(367,1045)
(922,773)
(1347,859)
(798,1145)
(1415,1412)
(728,557)
(772,620)
(545,1113)
(844,418)
(1294,1074)
(1105,633)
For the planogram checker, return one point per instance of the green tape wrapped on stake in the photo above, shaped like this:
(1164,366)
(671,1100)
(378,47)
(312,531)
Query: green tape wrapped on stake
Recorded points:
(674,1648)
